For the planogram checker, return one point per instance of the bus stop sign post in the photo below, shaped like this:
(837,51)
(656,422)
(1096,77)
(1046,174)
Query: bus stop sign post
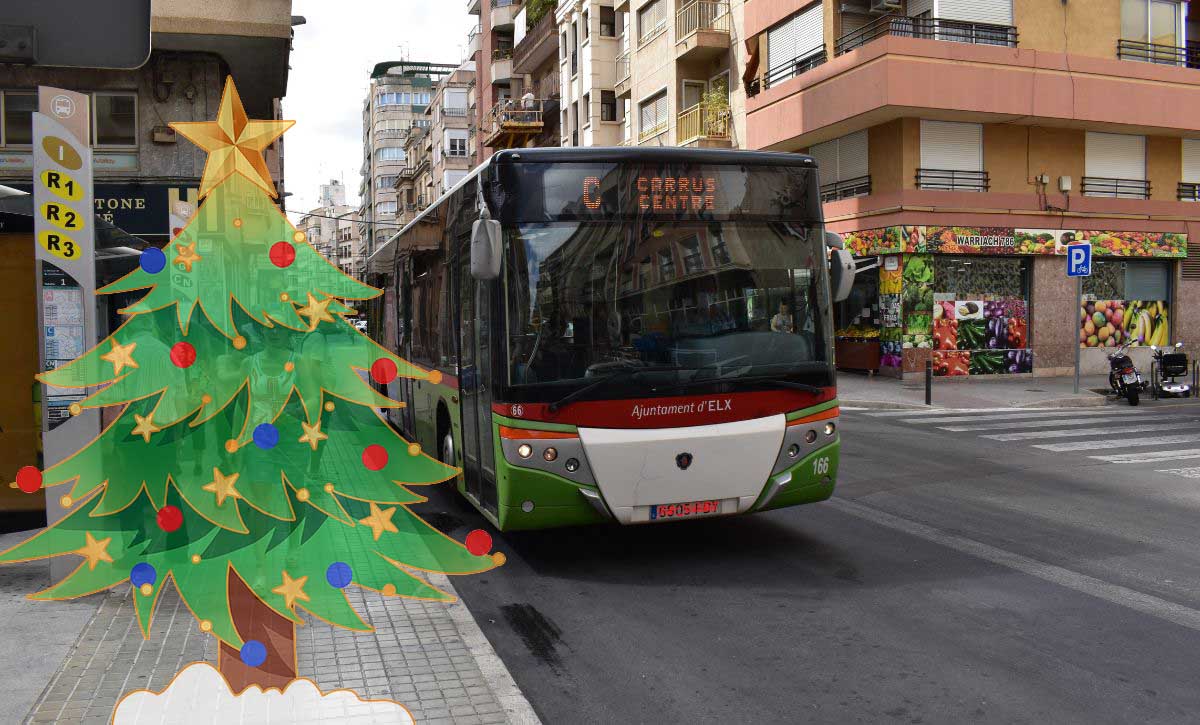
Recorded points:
(1079,265)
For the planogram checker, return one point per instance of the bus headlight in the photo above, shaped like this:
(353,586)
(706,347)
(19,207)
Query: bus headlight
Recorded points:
(793,450)
(524,450)
(810,436)
(830,428)
(550,453)
(572,465)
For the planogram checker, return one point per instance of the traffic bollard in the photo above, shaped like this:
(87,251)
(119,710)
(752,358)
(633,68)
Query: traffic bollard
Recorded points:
(929,382)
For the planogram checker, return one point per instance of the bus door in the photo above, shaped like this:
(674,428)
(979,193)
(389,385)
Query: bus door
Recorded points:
(476,392)
(469,382)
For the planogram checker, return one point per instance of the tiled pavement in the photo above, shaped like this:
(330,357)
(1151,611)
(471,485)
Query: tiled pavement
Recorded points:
(429,656)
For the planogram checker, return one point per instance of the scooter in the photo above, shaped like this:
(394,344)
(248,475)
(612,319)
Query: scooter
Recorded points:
(1124,378)
(1170,366)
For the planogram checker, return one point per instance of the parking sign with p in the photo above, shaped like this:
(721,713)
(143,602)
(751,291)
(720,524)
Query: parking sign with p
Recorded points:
(1079,260)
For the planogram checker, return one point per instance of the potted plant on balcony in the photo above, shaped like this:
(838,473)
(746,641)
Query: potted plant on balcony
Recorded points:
(714,104)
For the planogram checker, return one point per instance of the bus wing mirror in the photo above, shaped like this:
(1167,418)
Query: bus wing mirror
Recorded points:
(485,249)
(841,273)
(833,240)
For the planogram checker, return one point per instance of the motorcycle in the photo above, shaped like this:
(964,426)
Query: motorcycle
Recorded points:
(1170,365)
(1124,378)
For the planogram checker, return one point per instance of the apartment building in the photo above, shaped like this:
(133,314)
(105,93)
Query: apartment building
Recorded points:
(414,185)
(493,62)
(967,145)
(399,95)
(332,229)
(657,72)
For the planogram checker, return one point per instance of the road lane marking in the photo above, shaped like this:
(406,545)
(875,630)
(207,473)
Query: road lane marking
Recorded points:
(1076,581)
(1185,472)
(1097,445)
(1025,416)
(1151,456)
(1073,432)
(1017,425)
(944,411)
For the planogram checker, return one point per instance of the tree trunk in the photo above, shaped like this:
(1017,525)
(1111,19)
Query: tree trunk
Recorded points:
(255,620)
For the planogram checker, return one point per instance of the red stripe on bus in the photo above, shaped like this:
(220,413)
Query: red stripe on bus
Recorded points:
(823,415)
(673,412)
(506,432)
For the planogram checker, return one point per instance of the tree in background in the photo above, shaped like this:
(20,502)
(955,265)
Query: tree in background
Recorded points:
(249,465)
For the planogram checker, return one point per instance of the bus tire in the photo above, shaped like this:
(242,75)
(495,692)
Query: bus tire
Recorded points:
(445,438)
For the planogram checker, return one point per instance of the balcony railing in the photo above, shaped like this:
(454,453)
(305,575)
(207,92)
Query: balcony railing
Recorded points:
(702,15)
(623,67)
(952,180)
(790,69)
(502,53)
(1162,54)
(858,186)
(1189,191)
(956,31)
(454,111)
(1115,188)
(702,122)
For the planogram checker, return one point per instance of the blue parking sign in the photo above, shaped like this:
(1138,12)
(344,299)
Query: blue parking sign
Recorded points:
(1079,260)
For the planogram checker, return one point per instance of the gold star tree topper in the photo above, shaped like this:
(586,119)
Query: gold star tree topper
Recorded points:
(234,143)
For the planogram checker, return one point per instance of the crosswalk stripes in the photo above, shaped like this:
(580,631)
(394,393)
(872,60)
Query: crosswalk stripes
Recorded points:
(1111,435)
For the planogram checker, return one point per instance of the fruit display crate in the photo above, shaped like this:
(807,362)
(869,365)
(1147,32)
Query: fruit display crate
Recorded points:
(856,354)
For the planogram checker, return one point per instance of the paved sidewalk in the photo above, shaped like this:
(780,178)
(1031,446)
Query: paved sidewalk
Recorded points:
(856,389)
(71,662)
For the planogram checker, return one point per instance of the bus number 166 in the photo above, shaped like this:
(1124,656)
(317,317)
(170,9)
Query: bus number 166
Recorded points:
(821,466)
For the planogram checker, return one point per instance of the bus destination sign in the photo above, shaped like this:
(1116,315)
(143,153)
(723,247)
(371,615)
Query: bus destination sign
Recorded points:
(661,193)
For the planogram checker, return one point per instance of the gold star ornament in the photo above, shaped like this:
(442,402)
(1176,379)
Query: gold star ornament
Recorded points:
(312,435)
(316,312)
(291,590)
(380,521)
(234,143)
(222,486)
(94,551)
(145,426)
(121,356)
(186,255)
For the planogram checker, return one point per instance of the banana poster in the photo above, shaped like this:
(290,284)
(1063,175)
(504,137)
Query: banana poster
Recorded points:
(1108,323)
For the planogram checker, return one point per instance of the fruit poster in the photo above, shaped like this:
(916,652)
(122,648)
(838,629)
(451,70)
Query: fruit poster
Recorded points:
(871,242)
(1108,323)
(980,336)
(1006,240)
(917,300)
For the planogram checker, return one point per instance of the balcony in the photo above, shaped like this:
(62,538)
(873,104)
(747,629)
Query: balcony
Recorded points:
(1161,54)
(622,74)
(539,46)
(703,126)
(473,7)
(1188,191)
(955,31)
(1114,188)
(473,41)
(952,180)
(511,123)
(502,65)
(504,14)
(702,29)
(848,189)
(790,69)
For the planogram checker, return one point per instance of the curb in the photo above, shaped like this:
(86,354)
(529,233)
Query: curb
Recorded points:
(516,707)
(884,405)
(1094,401)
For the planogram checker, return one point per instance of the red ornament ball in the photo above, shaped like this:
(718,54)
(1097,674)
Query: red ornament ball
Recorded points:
(170,518)
(375,457)
(183,354)
(479,542)
(383,370)
(282,254)
(29,479)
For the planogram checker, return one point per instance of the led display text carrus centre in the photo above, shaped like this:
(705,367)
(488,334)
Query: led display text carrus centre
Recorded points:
(662,193)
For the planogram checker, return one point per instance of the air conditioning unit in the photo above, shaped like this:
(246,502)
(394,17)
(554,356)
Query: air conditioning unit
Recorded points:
(885,6)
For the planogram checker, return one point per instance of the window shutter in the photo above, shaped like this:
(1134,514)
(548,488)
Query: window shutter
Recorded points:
(917,7)
(660,108)
(1147,280)
(1191,160)
(826,156)
(852,156)
(951,146)
(1115,156)
(810,30)
(781,44)
(854,21)
(995,12)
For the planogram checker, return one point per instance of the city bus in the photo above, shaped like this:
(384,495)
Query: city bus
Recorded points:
(624,335)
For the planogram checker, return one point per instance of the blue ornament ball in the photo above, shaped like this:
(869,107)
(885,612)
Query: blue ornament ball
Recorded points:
(339,575)
(153,260)
(253,653)
(266,436)
(143,573)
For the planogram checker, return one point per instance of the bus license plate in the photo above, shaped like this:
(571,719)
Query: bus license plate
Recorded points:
(685,510)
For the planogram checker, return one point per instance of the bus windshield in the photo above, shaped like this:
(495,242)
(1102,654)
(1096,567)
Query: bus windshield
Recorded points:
(602,310)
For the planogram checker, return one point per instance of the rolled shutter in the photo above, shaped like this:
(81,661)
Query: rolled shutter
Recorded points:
(852,156)
(810,30)
(661,108)
(918,7)
(826,156)
(994,12)
(781,44)
(1115,156)
(1191,160)
(951,146)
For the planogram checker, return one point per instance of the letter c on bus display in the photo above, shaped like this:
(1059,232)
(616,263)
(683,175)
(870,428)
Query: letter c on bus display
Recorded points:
(590,184)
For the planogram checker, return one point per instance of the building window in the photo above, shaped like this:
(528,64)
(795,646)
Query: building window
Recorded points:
(716,245)
(390,153)
(652,21)
(693,258)
(18,121)
(842,166)
(608,106)
(586,18)
(450,178)
(574,49)
(114,119)
(652,114)
(385,182)
(952,157)
(456,142)
(796,45)
(608,22)
(386,208)
(666,265)
(422,123)
(1152,21)
(563,49)
(587,109)
(1114,165)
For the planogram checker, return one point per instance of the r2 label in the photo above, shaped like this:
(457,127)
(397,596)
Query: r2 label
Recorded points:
(821,466)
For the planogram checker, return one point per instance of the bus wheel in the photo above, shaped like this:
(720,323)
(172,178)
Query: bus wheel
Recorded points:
(447,452)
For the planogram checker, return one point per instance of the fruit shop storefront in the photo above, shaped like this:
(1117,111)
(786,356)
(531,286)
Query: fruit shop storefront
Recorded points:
(996,301)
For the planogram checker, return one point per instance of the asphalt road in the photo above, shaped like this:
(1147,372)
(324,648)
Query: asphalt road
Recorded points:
(953,578)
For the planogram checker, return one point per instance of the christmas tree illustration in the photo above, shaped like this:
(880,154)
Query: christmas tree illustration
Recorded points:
(249,465)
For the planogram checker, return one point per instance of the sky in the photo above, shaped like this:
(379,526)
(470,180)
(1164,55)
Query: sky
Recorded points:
(332,57)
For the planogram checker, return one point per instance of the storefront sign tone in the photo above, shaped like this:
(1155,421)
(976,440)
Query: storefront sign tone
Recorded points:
(1009,241)
(143,210)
